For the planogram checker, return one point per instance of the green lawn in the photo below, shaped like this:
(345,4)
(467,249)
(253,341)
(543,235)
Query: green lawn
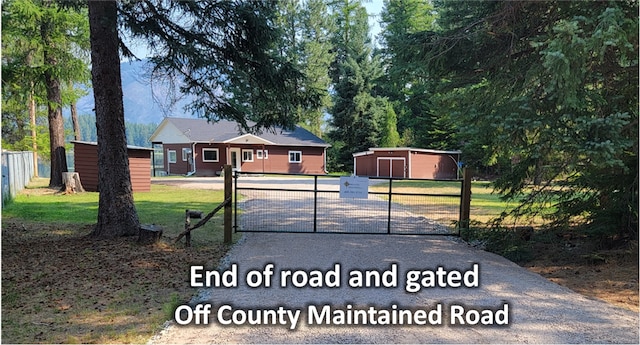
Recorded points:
(164,206)
(485,204)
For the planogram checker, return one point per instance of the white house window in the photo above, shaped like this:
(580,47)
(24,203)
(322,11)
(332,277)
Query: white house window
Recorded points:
(185,153)
(247,155)
(172,157)
(262,154)
(295,156)
(210,155)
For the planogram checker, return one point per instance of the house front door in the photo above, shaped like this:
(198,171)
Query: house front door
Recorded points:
(235,159)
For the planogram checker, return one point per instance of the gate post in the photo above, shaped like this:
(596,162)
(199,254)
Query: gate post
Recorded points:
(389,206)
(228,175)
(465,199)
(315,203)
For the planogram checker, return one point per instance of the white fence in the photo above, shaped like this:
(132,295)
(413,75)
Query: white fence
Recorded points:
(17,171)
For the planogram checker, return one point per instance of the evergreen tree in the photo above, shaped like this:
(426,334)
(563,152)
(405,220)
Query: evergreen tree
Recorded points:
(546,94)
(224,52)
(389,133)
(357,115)
(45,42)
(406,82)
(316,59)
(117,214)
(237,71)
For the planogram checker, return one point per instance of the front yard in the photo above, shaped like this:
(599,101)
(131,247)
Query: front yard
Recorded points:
(58,286)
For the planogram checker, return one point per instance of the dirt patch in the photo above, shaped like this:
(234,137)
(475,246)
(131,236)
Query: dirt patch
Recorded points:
(610,275)
(58,286)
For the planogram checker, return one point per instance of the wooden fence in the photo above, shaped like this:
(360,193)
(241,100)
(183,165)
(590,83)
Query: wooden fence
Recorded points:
(17,172)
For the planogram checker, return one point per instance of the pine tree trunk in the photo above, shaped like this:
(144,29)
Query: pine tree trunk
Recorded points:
(54,102)
(74,120)
(32,118)
(34,132)
(117,215)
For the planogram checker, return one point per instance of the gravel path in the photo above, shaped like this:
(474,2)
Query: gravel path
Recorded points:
(539,311)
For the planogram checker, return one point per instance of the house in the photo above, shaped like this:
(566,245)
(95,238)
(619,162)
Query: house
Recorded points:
(407,162)
(193,146)
(86,165)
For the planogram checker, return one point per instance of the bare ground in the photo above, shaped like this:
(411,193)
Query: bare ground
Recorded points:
(607,274)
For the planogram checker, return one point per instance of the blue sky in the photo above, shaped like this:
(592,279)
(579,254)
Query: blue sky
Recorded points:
(374,7)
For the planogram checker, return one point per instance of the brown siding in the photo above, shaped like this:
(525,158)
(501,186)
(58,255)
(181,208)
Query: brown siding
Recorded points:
(366,165)
(180,167)
(210,168)
(139,167)
(278,161)
(422,164)
(433,166)
(86,165)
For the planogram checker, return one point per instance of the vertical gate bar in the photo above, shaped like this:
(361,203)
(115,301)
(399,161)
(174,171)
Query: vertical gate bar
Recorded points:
(235,201)
(389,211)
(315,203)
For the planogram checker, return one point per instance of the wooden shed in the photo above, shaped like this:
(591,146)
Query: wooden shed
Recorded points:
(86,165)
(407,162)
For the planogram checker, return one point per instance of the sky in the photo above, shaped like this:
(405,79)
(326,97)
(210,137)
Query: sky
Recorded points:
(374,7)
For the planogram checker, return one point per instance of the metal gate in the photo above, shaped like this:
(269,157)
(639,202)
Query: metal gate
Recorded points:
(312,204)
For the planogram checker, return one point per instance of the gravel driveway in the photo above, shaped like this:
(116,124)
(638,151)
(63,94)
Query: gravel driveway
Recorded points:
(539,311)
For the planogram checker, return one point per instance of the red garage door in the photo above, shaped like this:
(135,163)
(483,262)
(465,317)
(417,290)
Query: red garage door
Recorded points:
(391,167)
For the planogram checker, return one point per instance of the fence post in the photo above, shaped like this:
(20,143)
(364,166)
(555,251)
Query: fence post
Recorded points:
(465,199)
(187,223)
(228,211)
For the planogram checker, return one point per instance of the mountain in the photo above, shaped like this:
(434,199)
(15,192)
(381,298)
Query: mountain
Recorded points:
(138,97)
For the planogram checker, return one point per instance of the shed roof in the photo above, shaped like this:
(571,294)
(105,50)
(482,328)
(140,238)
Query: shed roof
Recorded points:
(411,149)
(93,143)
(224,131)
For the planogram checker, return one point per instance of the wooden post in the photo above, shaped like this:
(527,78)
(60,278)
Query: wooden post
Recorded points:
(187,223)
(228,210)
(465,200)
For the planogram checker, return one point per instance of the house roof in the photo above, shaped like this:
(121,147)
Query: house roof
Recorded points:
(224,131)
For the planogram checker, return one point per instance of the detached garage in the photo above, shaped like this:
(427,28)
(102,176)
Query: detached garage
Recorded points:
(86,165)
(407,162)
